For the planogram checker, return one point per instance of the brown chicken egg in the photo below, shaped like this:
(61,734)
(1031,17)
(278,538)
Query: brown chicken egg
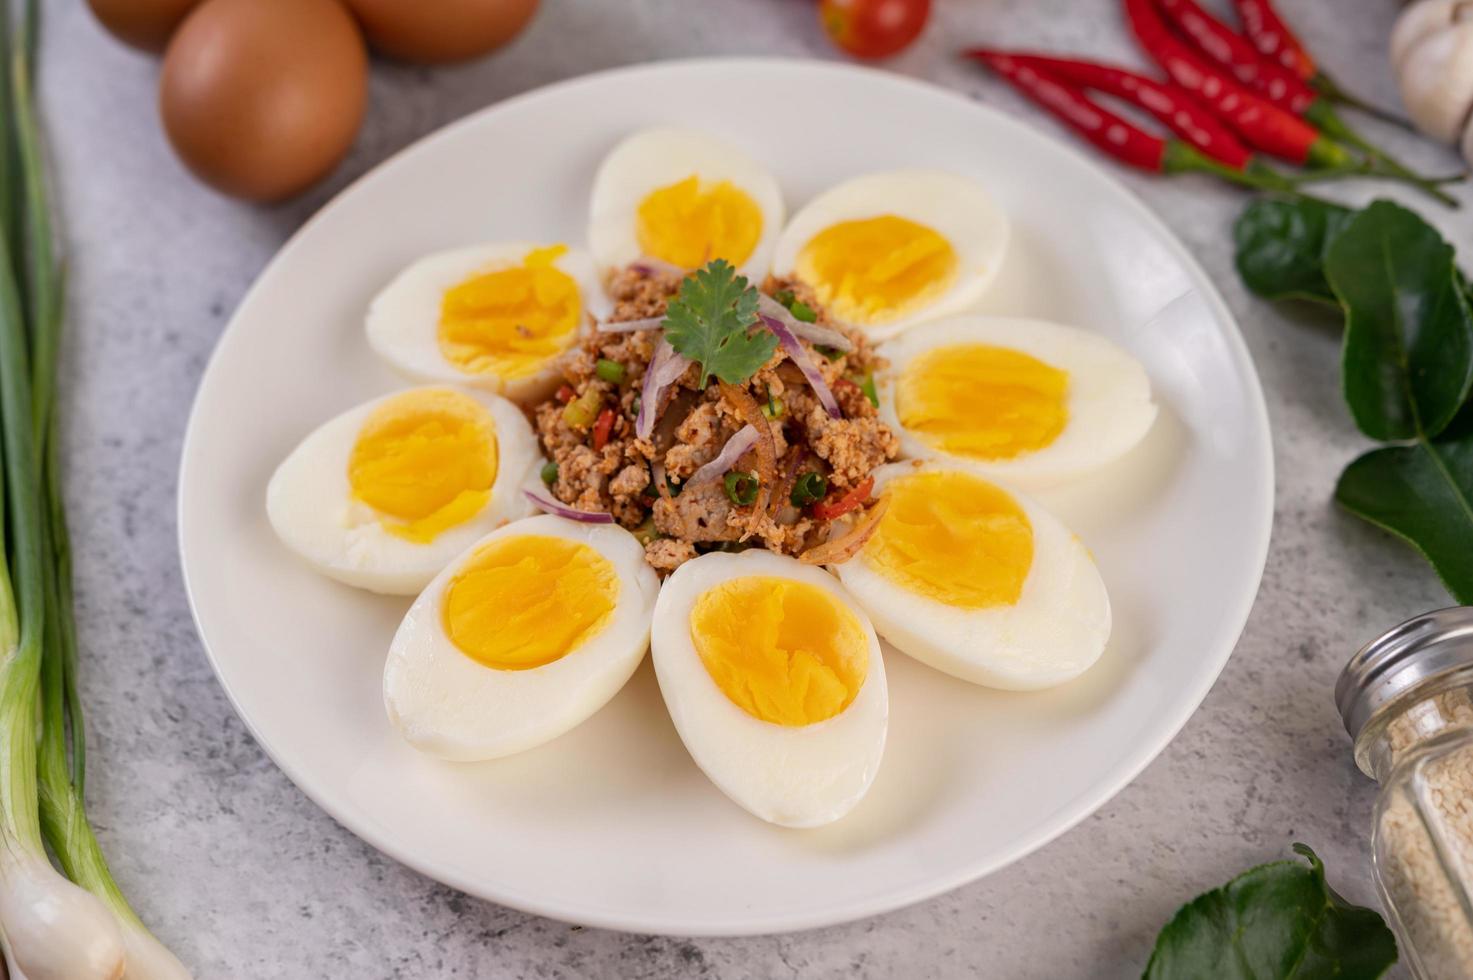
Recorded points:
(145,24)
(438,31)
(261,98)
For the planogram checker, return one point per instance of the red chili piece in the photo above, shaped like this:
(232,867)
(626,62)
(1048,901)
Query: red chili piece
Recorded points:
(850,499)
(1235,53)
(1169,103)
(601,429)
(565,394)
(1273,38)
(1122,140)
(1260,123)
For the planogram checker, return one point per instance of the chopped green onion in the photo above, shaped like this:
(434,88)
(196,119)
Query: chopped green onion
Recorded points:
(809,488)
(832,353)
(583,410)
(785,297)
(645,532)
(549,473)
(774,407)
(866,384)
(634,407)
(802,311)
(741,488)
(611,371)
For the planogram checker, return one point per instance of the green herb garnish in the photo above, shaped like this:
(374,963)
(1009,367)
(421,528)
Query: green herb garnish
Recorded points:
(741,488)
(1274,921)
(611,371)
(710,321)
(785,297)
(1406,364)
(549,473)
(832,353)
(809,488)
(802,311)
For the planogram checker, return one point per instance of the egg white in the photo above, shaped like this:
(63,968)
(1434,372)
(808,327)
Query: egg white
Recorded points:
(448,705)
(956,207)
(794,776)
(1056,631)
(403,320)
(1108,398)
(310,504)
(655,158)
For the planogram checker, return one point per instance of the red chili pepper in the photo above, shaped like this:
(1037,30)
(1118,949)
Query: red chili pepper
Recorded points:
(845,502)
(1262,125)
(1225,46)
(1273,39)
(1280,87)
(1169,103)
(601,429)
(565,394)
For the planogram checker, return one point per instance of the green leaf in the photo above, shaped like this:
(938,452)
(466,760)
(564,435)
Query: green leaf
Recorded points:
(1422,493)
(710,321)
(1279,920)
(1408,360)
(1281,246)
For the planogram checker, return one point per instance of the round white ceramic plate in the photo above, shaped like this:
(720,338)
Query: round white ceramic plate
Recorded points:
(612,825)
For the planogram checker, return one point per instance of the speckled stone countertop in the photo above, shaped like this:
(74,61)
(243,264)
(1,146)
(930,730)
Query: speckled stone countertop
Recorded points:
(245,877)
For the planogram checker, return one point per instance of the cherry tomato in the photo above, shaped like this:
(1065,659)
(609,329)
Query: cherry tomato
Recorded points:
(838,505)
(873,28)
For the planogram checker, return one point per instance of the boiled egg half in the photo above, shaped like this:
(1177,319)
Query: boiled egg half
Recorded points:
(978,581)
(493,316)
(386,494)
(774,680)
(888,250)
(522,638)
(682,199)
(1030,402)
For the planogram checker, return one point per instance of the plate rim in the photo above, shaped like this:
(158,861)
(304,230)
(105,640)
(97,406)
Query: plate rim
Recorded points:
(849,910)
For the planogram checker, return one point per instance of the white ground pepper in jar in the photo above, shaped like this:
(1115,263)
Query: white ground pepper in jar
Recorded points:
(1407,701)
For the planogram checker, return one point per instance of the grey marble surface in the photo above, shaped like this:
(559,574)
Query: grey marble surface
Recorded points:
(245,877)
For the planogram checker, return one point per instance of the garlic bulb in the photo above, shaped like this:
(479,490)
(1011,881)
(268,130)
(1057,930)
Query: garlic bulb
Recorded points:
(1432,56)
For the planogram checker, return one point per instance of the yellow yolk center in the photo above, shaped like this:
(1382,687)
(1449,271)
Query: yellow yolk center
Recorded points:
(783,651)
(983,402)
(525,601)
(875,270)
(509,322)
(425,460)
(688,225)
(954,538)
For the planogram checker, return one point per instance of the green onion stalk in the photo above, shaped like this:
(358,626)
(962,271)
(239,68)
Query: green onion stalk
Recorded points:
(54,927)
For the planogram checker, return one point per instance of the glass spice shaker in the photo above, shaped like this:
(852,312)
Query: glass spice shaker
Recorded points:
(1407,701)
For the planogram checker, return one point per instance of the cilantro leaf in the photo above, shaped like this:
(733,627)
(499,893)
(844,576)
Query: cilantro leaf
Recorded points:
(710,321)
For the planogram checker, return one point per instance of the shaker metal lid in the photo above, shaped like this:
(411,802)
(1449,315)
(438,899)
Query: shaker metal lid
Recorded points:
(1404,656)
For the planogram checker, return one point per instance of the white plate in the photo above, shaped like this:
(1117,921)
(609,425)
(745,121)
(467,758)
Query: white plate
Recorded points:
(612,825)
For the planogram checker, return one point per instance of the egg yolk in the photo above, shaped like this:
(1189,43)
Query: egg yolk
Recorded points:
(783,651)
(954,538)
(425,460)
(508,322)
(874,270)
(689,225)
(983,402)
(525,601)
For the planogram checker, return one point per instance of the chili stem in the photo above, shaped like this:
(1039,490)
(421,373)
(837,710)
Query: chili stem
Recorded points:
(1378,162)
(1330,89)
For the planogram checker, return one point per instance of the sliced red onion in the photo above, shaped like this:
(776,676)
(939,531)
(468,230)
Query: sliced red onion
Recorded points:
(665,369)
(744,439)
(805,364)
(810,332)
(647,266)
(553,506)
(629,326)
